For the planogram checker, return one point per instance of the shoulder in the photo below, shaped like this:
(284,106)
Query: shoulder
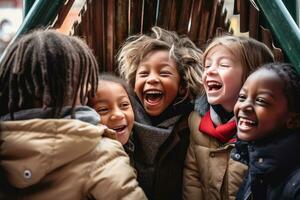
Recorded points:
(292,187)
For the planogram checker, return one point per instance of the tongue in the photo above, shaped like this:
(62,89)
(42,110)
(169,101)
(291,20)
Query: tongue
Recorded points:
(153,98)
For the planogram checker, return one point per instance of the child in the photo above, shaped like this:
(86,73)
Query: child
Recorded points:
(164,70)
(113,104)
(209,174)
(268,117)
(50,144)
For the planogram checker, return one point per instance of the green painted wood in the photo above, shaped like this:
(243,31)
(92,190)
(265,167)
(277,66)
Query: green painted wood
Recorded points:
(284,28)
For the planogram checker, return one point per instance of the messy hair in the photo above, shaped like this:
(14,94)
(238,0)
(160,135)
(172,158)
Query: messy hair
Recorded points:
(46,69)
(251,52)
(182,50)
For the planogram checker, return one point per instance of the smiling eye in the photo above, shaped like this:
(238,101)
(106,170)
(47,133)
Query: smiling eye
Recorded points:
(143,73)
(165,73)
(102,110)
(262,101)
(224,65)
(242,97)
(124,105)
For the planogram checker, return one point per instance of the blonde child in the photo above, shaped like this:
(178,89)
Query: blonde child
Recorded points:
(268,118)
(52,146)
(209,173)
(165,72)
(113,103)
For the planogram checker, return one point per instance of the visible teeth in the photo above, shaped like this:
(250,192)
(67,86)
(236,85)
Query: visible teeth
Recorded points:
(153,92)
(214,84)
(247,121)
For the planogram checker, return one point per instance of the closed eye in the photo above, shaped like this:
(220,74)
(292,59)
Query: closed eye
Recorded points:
(262,101)
(242,98)
(102,110)
(125,105)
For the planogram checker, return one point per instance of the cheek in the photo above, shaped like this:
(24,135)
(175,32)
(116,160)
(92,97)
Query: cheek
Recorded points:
(105,120)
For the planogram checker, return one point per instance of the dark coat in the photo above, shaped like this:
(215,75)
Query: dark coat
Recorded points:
(162,178)
(274,169)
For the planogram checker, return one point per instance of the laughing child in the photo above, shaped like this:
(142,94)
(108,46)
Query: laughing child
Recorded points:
(165,72)
(112,102)
(268,118)
(209,173)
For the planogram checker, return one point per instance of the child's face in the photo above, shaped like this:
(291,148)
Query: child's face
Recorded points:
(222,77)
(157,82)
(113,105)
(262,107)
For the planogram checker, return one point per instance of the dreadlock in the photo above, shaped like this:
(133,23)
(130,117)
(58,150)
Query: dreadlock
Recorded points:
(291,80)
(46,69)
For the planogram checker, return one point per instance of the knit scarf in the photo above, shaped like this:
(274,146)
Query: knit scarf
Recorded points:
(222,132)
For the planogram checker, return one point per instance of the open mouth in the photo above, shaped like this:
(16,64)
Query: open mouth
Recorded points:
(213,85)
(246,124)
(153,96)
(119,129)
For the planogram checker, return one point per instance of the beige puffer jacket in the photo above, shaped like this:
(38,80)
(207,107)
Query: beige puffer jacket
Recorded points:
(210,173)
(65,159)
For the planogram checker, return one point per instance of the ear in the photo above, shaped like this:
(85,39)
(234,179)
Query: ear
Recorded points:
(293,121)
(182,91)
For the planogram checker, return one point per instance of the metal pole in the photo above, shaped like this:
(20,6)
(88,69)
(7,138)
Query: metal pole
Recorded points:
(284,27)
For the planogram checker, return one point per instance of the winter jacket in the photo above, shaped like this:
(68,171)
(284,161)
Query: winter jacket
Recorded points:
(160,150)
(209,172)
(65,159)
(274,168)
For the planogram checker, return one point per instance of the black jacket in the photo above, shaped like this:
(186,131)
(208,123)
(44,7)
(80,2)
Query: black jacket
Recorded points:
(274,168)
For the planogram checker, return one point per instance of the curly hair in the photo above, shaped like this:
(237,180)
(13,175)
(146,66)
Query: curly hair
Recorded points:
(46,69)
(251,52)
(181,49)
(291,81)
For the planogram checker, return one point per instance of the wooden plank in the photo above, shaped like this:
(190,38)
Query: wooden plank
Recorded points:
(204,23)
(213,16)
(183,22)
(135,16)
(148,15)
(195,19)
(244,16)
(253,21)
(110,34)
(121,29)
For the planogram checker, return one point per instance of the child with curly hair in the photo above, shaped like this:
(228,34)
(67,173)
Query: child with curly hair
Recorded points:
(165,71)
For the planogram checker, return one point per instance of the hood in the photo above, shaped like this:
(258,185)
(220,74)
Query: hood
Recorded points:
(31,149)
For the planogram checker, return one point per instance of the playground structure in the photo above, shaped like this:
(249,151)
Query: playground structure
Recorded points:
(105,24)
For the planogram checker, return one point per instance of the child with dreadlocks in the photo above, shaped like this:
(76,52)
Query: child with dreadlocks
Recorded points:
(268,118)
(51,144)
(209,173)
(164,70)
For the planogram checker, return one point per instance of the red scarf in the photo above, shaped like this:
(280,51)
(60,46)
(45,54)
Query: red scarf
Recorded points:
(223,132)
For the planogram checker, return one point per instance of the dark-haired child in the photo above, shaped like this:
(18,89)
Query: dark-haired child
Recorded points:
(165,72)
(268,118)
(52,146)
(113,103)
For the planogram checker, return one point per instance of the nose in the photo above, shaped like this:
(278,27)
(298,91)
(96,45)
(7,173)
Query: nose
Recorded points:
(211,69)
(152,78)
(117,114)
(246,106)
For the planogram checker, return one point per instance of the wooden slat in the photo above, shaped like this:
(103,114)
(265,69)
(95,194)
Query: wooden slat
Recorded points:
(253,21)
(110,33)
(135,17)
(195,19)
(244,16)
(183,22)
(121,23)
(204,23)
(213,15)
(149,15)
